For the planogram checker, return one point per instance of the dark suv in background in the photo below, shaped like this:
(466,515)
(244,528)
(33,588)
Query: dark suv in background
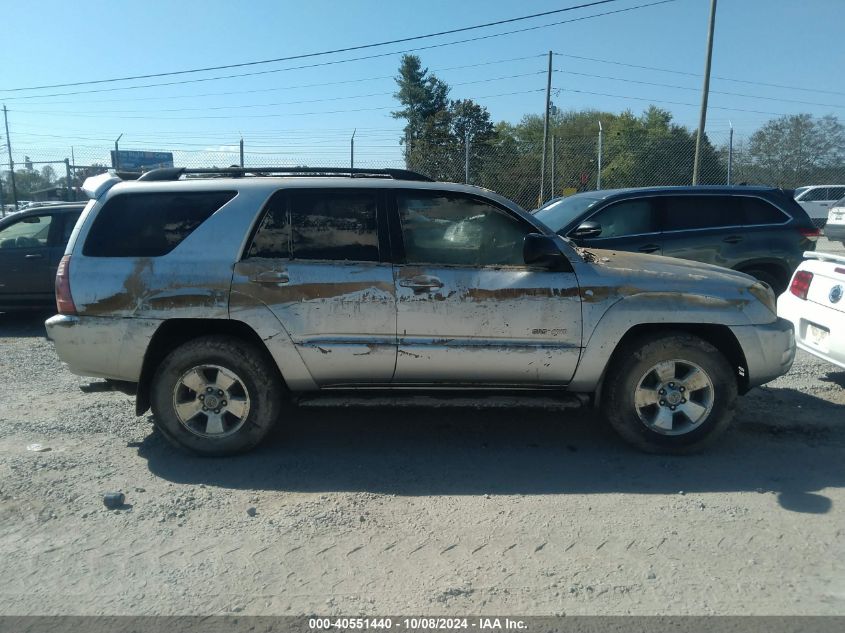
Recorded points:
(31,244)
(761,231)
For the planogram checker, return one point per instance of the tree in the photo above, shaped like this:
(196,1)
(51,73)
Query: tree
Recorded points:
(48,175)
(422,95)
(795,150)
(26,181)
(437,129)
(651,150)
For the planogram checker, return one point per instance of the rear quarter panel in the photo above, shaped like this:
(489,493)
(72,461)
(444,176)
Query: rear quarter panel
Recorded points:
(192,281)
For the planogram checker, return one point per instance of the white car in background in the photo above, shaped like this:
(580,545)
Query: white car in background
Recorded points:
(815,304)
(834,230)
(817,199)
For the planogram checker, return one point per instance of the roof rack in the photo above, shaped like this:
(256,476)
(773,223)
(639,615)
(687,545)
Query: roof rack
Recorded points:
(174,173)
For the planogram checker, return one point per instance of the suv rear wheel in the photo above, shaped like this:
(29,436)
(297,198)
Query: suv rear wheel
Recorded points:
(672,393)
(216,395)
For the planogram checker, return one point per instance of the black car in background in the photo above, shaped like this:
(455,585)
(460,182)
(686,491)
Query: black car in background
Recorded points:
(31,244)
(761,231)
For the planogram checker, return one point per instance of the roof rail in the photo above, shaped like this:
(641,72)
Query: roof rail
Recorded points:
(174,173)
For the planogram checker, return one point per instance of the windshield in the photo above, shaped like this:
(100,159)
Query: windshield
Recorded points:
(559,213)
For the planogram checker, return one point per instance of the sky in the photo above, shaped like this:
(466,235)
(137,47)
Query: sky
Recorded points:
(309,114)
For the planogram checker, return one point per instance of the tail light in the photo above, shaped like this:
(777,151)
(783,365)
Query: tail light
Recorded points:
(811,234)
(800,285)
(64,300)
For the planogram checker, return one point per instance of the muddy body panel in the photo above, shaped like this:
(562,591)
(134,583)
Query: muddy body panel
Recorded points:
(330,324)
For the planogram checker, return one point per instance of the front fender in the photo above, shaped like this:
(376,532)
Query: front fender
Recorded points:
(649,308)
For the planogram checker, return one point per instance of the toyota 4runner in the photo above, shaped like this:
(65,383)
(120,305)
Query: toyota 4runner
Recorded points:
(223,295)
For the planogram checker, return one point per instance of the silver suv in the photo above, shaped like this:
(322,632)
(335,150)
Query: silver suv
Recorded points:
(223,295)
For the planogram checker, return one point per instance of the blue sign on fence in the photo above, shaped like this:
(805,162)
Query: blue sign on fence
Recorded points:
(129,160)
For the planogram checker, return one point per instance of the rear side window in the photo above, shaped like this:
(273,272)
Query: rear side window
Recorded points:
(815,195)
(320,225)
(835,193)
(150,224)
(757,211)
(683,213)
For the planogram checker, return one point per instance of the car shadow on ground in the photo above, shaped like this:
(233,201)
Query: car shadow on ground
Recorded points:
(522,451)
(24,324)
(836,377)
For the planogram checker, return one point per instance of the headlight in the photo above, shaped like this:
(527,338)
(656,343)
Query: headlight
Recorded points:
(765,295)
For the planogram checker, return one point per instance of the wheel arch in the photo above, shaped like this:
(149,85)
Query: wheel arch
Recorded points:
(719,336)
(175,332)
(777,267)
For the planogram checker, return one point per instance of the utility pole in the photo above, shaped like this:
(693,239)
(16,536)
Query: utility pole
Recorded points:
(705,91)
(542,197)
(2,198)
(730,151)
(73,162)
(466,157)
(352,150)
(11,161)
(242,152)
(552,179)
(598,174)
(67,179)
(116,160)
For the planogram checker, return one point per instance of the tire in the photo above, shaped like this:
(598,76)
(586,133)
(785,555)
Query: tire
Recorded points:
(778,284)
(641,369)
(238,382)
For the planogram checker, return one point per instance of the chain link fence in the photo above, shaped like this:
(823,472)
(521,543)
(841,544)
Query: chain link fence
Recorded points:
(509,167)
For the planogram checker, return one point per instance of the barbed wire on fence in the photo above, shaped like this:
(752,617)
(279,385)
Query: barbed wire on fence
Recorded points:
(512,168)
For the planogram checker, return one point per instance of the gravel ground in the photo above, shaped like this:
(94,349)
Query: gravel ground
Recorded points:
(439,512)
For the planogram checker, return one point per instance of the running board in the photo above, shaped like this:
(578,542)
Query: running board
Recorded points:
(568,401)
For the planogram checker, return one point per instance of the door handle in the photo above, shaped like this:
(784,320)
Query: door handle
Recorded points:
(421,283)
(270,277)
(33,256)
(733,239)
(649,248)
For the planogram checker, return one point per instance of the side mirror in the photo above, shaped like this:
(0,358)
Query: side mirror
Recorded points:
(542,251)
(587,230)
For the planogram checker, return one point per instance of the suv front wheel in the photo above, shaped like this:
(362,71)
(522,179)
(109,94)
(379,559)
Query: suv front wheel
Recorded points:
(671,393)
(216,395)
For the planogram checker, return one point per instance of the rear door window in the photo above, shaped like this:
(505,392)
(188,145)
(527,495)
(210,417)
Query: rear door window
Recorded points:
(757,211)
(333,224)
(684,213)
(69,222)
(629,217)
(150,224)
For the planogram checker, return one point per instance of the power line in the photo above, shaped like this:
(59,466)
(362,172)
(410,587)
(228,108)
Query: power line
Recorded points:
(280,103)
(691,74)
(261,90)
(694,105)
(716,92)
(346,49)
(258,116)
(353,59)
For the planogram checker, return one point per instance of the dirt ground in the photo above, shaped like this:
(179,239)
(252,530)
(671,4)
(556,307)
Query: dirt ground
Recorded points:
(416,511)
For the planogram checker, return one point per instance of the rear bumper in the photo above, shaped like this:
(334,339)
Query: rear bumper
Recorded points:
(803,314)
(835,232)
(769,350)
(99,346)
